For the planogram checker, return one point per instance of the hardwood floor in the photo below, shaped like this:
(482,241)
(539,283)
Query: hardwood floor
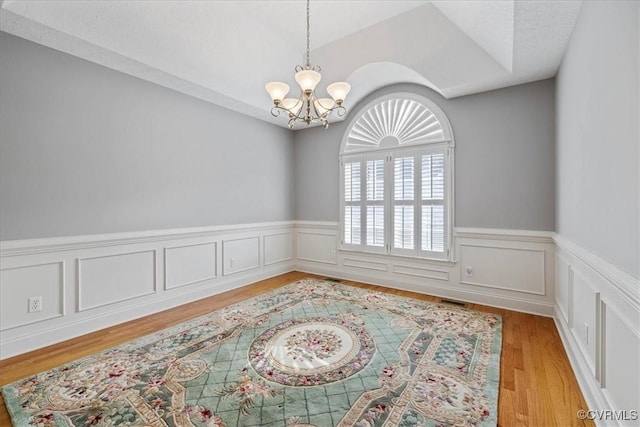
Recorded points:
(537,384)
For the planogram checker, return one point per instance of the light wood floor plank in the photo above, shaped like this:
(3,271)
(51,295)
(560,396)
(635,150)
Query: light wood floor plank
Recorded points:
(537,384)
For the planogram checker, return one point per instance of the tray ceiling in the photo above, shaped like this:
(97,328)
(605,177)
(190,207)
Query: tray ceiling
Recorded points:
(225,51)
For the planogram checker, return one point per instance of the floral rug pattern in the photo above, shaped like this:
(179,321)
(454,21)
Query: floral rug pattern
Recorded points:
(312,353)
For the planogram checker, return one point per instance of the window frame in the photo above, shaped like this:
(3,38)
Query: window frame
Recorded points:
(389,153)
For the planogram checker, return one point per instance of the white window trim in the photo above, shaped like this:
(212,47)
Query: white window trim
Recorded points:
(446,144)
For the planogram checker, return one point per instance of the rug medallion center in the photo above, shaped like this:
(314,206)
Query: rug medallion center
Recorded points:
(327,349)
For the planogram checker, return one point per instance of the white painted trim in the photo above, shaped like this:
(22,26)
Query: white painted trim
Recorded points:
(61,309)
(485,298)
(542,291)
(329,225)
(565,315)
(54,244)
(398,258)
(77,319)
(504,234)
(410,270)
(176,297)
(590,388)
(264,247)
(627,286)
(322,261)
(616,293)
(249,267)
(79,306)
(364,264)
(166,250)
(438,277)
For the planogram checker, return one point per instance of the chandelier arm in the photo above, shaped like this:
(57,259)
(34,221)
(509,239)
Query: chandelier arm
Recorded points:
(295,115)
(340,110)
(320,117)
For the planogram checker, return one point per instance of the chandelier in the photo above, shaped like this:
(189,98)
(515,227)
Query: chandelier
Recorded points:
(308,108)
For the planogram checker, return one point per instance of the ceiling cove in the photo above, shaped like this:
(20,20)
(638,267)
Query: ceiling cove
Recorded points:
(224,52)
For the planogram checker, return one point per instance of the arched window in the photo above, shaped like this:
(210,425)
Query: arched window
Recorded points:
(396,166)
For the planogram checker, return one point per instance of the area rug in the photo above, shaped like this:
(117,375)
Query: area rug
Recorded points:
(312,353)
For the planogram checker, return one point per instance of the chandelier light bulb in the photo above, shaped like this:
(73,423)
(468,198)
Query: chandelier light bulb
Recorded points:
(339,91)
(277,91)
(308,79)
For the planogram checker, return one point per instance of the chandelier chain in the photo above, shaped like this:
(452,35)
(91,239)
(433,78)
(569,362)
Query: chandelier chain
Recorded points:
(308,36)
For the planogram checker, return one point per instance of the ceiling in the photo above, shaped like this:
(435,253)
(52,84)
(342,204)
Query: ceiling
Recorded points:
(225,51)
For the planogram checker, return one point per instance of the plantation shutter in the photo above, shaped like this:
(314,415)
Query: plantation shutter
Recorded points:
(375,204)
(404,198)
(352,221)
(432,203)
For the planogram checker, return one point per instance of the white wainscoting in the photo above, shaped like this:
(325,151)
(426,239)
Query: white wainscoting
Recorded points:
(512,269)
(91,282)
(598,315)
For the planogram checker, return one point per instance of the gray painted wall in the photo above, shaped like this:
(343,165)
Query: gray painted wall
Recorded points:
(87,150)
(504,170)
(598,140)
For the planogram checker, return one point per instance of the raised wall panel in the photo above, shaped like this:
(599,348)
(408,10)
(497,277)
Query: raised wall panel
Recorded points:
(426,273)
(317,247)
(277,248)
(18,284)
(185,265)
(621,361)
(109,279)
(364,264)
(584,326)
(514,269)
(240,255)
(563,272)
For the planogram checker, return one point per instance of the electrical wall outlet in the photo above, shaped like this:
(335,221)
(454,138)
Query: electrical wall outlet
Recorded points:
(35,304)
(232,262)
(468,271)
